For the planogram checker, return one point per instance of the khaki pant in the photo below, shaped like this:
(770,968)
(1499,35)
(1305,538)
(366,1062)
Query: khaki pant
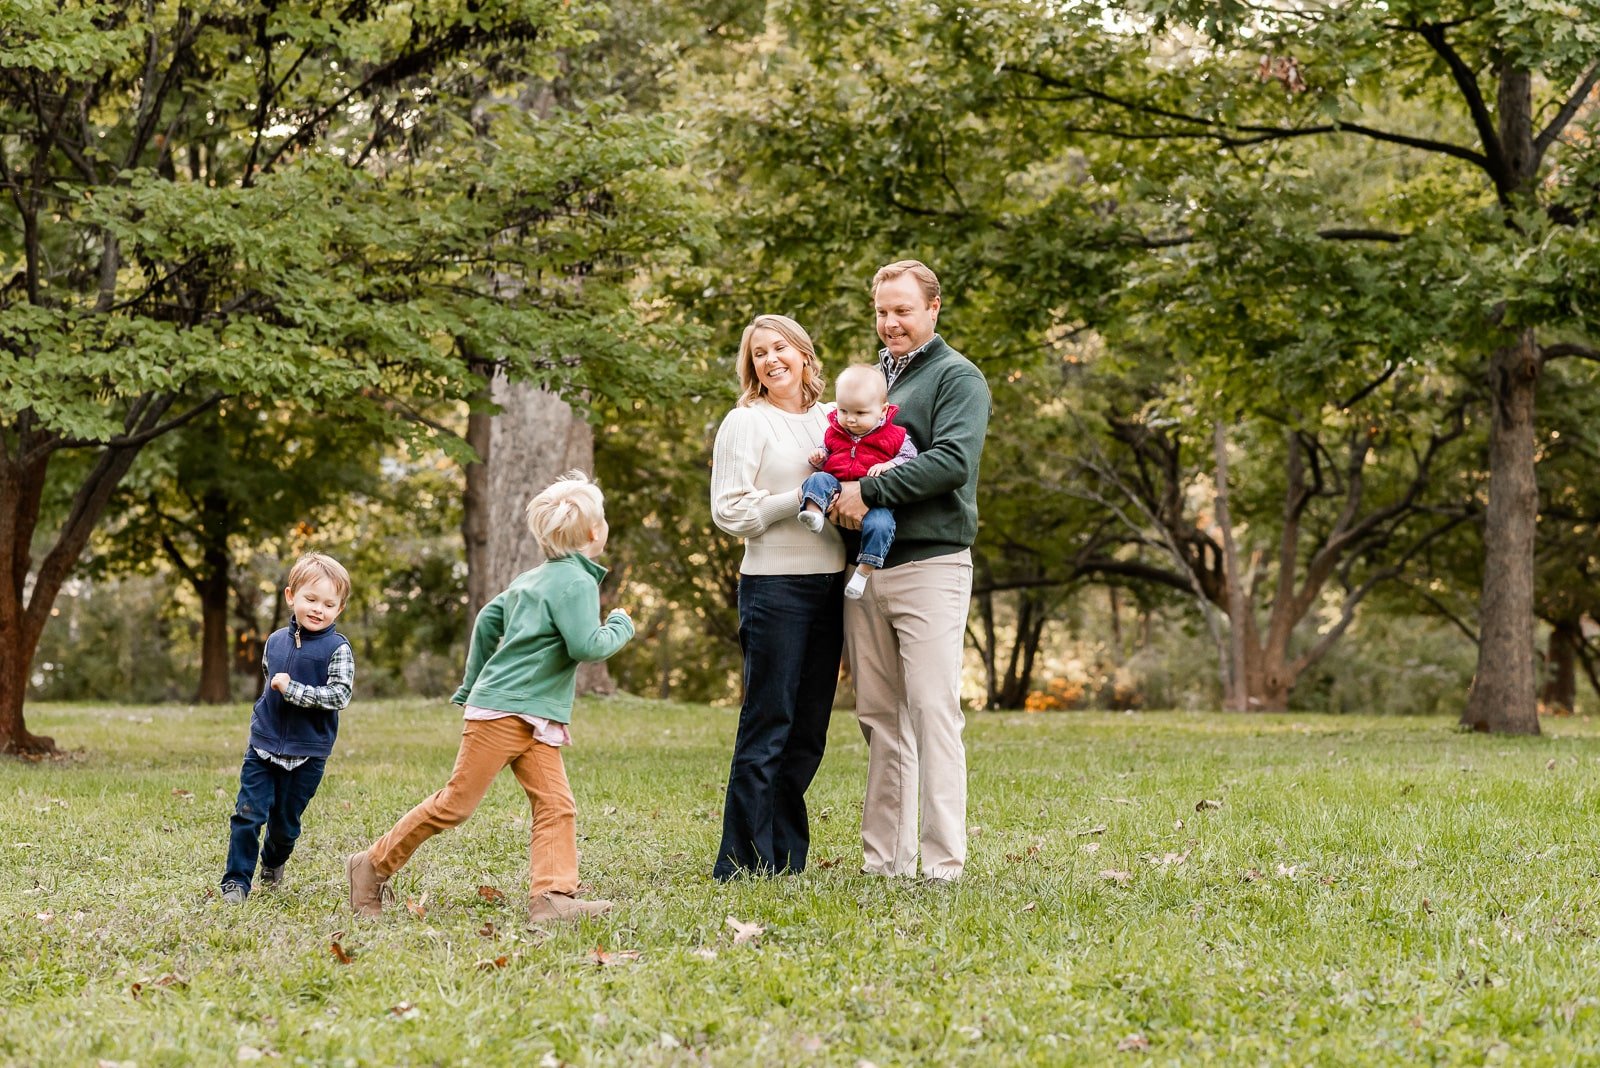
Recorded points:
(903,640)
(487,746)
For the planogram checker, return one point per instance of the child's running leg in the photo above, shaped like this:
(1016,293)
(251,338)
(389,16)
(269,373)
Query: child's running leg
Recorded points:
(553,843)
(486,746)
(258,788)
(296,789)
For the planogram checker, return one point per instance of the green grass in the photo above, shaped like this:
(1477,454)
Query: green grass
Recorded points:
(1370,891)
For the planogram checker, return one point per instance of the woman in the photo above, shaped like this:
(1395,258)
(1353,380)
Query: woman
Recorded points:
(791,596)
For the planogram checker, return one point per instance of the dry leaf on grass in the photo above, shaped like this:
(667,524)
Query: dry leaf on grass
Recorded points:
(187,795)
(1098,828)
(1134,1043)
(248,1053)
(829,862)
(491,965)
(1174,860)
(339,953)
(1090,847)
(1288,871)
(1029,907)
(418,908)
(1116,875)
(1205,803)
(745,932)
(487,930)
(605,959)
(1253,875)
(489,893)
(705,953)
(405,1010)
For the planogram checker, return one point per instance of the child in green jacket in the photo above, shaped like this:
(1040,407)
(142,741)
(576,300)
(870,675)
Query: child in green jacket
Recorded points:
(518,693)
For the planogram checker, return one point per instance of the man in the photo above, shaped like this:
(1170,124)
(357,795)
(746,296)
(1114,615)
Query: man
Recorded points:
(903,638)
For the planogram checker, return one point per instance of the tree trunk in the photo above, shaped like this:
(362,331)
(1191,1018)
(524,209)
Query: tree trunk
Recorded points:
(1268,680)
(475,504)
(1502,697)
(1235,684)
(1561,667)
(215,661)
(535,437)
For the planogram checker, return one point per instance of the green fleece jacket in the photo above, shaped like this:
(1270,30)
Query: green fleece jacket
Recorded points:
(527,642)
(944,406)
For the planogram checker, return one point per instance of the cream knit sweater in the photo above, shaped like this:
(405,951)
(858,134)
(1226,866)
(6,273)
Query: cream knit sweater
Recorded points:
(760,459)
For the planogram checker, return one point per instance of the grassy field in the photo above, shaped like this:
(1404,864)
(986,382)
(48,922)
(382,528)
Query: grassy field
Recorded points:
(1158,887)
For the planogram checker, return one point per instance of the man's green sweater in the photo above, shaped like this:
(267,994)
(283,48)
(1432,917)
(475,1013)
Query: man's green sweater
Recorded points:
(527,642)
(944,406)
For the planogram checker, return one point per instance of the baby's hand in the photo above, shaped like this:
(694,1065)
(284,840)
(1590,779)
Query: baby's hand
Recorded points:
(877,469)
(818,457)
(280,682)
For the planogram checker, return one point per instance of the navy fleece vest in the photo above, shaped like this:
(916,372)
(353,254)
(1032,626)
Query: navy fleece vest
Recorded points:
(294,730)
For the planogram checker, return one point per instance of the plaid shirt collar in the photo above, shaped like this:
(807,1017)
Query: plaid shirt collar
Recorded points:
(893,368)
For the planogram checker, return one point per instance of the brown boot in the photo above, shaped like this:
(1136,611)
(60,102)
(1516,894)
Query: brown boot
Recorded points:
(553,906)
(366,889)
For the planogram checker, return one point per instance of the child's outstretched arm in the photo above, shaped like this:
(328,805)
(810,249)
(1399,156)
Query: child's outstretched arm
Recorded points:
(487,631)
(575,613)
(332,695)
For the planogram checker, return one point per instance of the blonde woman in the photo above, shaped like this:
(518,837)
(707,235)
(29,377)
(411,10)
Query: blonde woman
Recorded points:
(791,593)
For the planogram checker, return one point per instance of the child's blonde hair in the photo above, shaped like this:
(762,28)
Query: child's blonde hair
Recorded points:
(565,514)
(869,375)
(320,565)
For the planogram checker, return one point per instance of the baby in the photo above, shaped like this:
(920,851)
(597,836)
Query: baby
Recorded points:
(861,441)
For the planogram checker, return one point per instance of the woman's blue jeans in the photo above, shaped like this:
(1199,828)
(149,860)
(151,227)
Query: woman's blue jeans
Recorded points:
(877,529)
(791,629)
(269,796)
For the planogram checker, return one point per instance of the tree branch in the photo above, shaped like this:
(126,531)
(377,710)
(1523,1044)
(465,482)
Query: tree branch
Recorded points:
(1548,135)
(1467,81)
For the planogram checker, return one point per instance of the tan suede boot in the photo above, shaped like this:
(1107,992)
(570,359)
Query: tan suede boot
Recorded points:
(366,889)
(553,906)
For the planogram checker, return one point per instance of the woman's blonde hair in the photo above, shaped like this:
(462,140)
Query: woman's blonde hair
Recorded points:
(313,566)
(812,383)
(565,514)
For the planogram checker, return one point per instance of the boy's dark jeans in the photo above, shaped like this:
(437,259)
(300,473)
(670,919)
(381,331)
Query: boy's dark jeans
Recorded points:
(791,628)
(273,797)
(877,529)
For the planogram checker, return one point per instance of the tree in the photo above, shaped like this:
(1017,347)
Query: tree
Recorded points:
(278,200)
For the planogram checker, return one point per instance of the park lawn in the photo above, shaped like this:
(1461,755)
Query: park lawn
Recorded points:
(1367,890)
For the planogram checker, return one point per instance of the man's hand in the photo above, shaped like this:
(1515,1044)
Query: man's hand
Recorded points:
(817,458)
(280,682)
(848,508)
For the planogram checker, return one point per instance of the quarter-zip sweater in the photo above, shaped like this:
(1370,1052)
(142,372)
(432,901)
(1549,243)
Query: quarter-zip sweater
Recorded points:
(944,405)
(527,642)
(277,725)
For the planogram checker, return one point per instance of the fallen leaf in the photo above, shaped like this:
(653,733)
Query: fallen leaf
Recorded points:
(1177,825)
(1090,847)
(405,1011)
(745,932)
(1119,800)
(1253,875)
(1551,766)
(974,831)
(136,989)
(668,1040)
(1029,907)
(1116,875)
(187,795)
(1328,880)
(1134,1043)
(489,893)
(1205,803)
(1175,859)
(609,810)
(339,953)
(1098,828)
(1288,870)
(622,956)
(825,813)
(171,979)
(970,1032)
(44,917)
(1427,906)
(248,1053)
(487,930)
(705,953)
(829,862)
(417,908)
(490,965)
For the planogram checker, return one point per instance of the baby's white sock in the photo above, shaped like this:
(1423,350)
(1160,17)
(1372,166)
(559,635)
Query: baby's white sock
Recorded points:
(856,586)
(811,520)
